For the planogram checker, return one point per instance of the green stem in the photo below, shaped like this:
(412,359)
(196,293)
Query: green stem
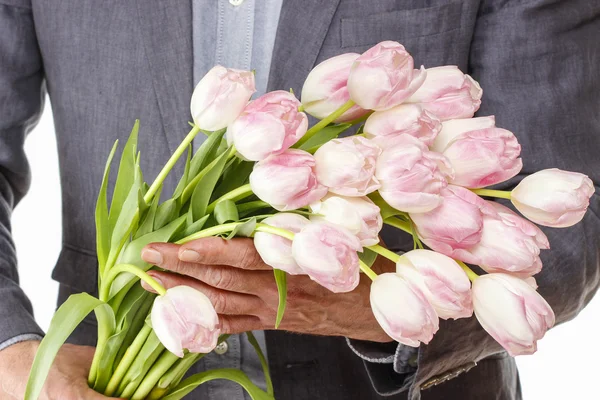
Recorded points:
(397,223)
(160,367)
(235,195)
(382,251)
(189,189)
(470,273)
(367,270)
(219,229)
(127,360)
(132,269)
(169,165)
(252,205)
(501,194)
(325,121)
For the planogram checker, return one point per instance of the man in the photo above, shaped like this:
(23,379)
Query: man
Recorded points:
(105,63)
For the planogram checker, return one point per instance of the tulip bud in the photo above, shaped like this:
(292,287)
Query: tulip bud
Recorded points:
(359,215)
(276,250)
(553,197)
(409,119)
(442,281)
(325,88)
(448,93)
(512,312)
(268,125)
(220,97)
(481,154)
(402,310)
(287,181)
(184,318)
(328,254)
(455,226)
(384,76)
(519,250)
(347,166)
(411,176)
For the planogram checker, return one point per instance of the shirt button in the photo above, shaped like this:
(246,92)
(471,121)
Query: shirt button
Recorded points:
(223,346)
(236,2)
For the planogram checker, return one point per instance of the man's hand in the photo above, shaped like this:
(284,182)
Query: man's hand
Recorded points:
(244,293)
(67,379)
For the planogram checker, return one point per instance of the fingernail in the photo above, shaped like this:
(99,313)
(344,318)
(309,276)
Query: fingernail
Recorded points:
(152,256)
(189,255)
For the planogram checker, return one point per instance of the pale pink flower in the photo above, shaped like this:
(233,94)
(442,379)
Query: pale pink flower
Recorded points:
(287,181)
(268,126)
(456,225)
(325,88)
(411,176)
(276,250)
(328,254)
(402,310)
(357,214)
(481,154)
(442,281)
(512,312)
(553,197)
(409,119)
(184,318)
(220,97)
(384,76)
(347,166)
(448,93)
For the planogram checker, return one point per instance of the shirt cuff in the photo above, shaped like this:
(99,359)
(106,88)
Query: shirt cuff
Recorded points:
(18,339)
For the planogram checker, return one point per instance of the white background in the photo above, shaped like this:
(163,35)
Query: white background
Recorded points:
(565,366)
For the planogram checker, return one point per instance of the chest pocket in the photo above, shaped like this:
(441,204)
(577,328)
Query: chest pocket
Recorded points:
(432,34)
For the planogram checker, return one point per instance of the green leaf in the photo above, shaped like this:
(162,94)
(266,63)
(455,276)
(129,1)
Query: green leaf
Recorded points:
(323,136)
(226,211)
(234,176)
(234,375)
(204,189)
(244,230)
(263,362)
(103,229)
(194,227)
(186,173)
(368,256)
(126,176)
(147,224)
(206,152)
(166,213)
(138,321)
(64,322)
(132,253)
(281,280)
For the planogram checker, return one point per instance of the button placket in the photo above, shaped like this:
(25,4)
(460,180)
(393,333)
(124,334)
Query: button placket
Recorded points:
(236,2)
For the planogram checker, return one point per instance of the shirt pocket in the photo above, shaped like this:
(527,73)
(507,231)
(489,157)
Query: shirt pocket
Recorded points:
(400,25)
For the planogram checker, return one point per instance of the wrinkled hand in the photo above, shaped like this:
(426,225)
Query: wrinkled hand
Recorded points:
(243,291)
(67,379)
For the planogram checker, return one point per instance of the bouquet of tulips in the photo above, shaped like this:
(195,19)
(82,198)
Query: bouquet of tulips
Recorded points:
(415,159)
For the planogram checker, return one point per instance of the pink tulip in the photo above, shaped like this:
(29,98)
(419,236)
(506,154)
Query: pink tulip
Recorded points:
(287,181)
(442,281)
(448,93)
(402,310)
(268,125)
(509,243)
(328,254)
(455,226)
(411,176)
(512,312)
(276,250)
(359,215)
(347,166)
(325,88)
(384,76)
(220,97)
(184,318)
(409,119)
(553,197)
(481,154)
